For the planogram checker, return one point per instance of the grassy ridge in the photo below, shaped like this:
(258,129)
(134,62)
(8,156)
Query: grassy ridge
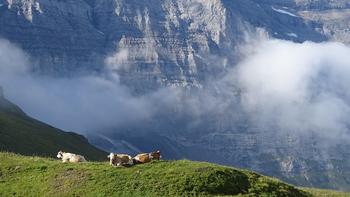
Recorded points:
(34,176)
(22,134)
(325,193)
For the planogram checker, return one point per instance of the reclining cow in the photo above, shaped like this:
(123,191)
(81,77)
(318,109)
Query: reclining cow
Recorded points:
(120,160)
(70,157)
(147,157)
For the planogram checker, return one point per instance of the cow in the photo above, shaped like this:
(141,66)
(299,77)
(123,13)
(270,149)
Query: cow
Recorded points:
(147,157)
(155,155)
(70,157)
(120,160)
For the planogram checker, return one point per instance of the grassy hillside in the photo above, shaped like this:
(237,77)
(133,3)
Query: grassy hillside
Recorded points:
(325,193)
(21,134)
(34,176)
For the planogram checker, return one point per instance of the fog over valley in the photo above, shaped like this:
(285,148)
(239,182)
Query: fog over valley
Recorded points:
(291,87)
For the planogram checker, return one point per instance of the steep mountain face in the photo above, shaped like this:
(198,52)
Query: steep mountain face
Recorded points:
(329,18)
(184,43)
(59,35)
(24,135)
(166,43)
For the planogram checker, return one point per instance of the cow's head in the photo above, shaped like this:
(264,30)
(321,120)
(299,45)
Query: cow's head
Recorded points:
(111,156)
(155,155)
(60,154)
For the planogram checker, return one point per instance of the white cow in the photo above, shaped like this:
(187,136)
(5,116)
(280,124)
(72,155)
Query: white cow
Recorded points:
(70,157)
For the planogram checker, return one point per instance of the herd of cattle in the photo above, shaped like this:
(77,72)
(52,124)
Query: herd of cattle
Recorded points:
(114,159)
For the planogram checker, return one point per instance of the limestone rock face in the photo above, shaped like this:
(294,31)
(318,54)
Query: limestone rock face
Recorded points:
(329,18)
(149,43)
(59,35)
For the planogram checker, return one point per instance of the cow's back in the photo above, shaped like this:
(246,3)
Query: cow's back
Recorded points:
(142,158)
(124,158)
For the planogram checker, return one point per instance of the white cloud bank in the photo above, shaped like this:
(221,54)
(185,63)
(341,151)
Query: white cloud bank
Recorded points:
(298,87)
(302,88)
(80,104)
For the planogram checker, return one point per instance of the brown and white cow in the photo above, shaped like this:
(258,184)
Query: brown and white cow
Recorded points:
(120,160)
(147,157)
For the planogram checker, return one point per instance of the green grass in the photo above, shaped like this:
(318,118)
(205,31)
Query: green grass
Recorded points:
(21,134)
(325,193)
(35,176)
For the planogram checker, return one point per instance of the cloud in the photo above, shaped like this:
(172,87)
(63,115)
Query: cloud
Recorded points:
(119,60)
(12,59)
(297,87)
(81,104)
(281,86)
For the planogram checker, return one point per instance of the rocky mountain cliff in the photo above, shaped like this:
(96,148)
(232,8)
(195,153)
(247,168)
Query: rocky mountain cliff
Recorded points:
(159,42)
(156,42)
(184,43)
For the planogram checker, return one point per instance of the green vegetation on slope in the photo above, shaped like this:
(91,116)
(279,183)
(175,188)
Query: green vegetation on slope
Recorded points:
(35,176)
(21,134)
(325,193)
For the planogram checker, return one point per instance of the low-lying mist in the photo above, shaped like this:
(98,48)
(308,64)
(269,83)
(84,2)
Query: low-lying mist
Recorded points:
(80,104)
(298,87)
(301,88)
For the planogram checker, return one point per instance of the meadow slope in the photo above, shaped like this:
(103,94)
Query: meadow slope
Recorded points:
(37,176)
